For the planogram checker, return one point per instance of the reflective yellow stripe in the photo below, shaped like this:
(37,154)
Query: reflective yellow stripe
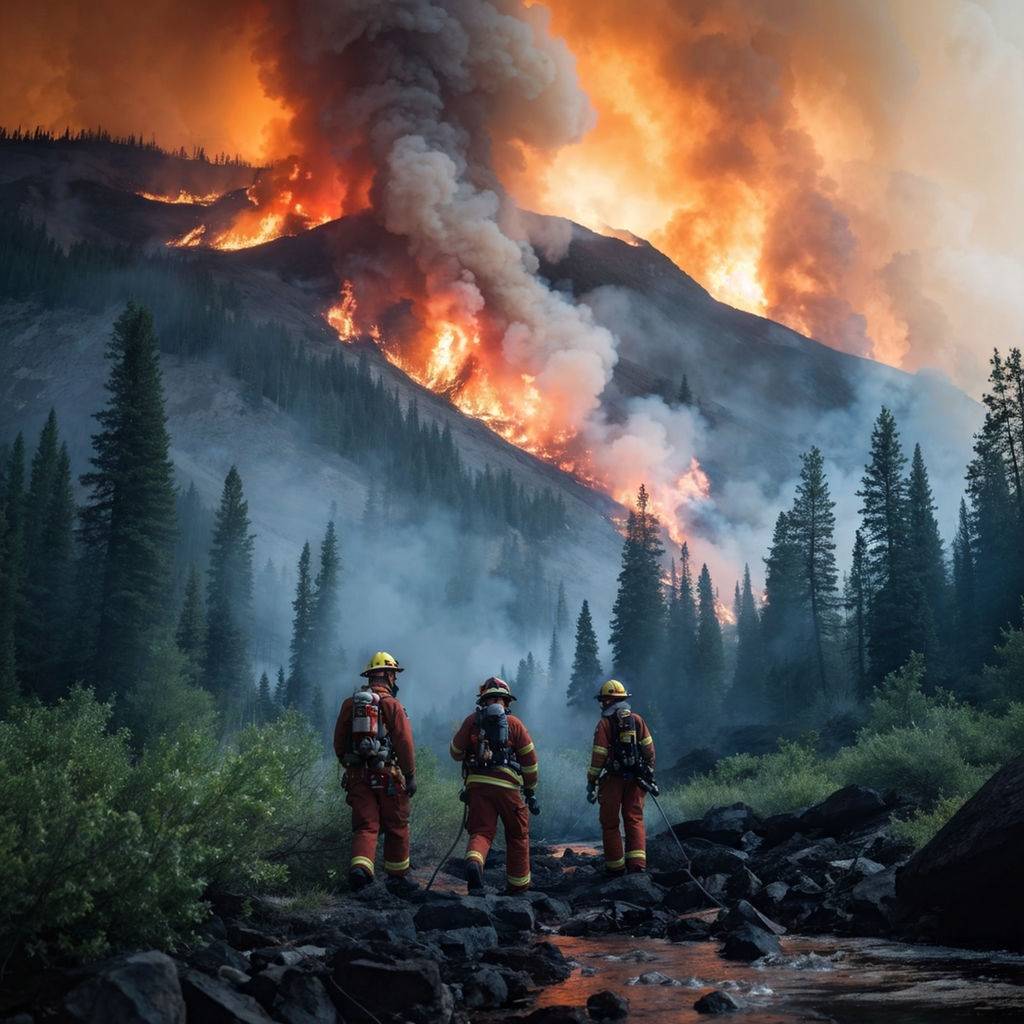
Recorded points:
(511,774)
(363,862)
(599,750)
(530,769)
(487,780)
(396,865)
(647,741)
(636,855)
(455,749)
(620,863)
(475,855)
(592,773)
(517,882)
(526,749)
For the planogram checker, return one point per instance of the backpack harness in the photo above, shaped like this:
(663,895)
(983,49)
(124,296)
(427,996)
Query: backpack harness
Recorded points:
(489,742)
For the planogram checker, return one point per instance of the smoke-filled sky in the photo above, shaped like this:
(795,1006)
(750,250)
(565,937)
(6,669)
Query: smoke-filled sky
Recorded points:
(848,167)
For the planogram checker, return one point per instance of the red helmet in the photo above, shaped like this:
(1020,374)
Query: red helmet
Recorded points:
(495,687)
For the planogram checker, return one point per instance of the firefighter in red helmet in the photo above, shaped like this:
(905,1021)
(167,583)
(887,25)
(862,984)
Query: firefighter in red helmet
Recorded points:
(501,772)
(373,740)
(622,765)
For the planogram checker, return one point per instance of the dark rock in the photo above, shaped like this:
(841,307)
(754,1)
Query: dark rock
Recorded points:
(743,913)
(611,916)
(464,912)
(303,999)
(780,827)
(637,888)
(243,937)
(352,918)
(463,943)
(774,892)
(547,909)
(969,876)
(708,858)
(805,887)
(139,989)
(729,824)
(234,976)
(749,943)
(696,762)
(211,957)
(215,928)
(556,1015)
(688,929)
(512,914)
(263,986)
(543,961)
(410,988)
(607,1005)
(716,886)
(856,867)
(485,989)
(843,810)
(716,1002)
(211,1001)
(872,903)
(686,897)
(743,884)
(751,842)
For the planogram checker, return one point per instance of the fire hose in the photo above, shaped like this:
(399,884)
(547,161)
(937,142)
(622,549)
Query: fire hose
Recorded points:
(462,828)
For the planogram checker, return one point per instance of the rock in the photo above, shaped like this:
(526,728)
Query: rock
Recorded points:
(352,918)
(805,887)
(774,892)
(556,1015)
(485,989)
(303,999)
(463,943)
(547,909)
(743,913)
(464,912)
(716,1002)
(857,867)
(843,810)
(138,989)
(749,943)
(708,858)
(263,986)
(729,824)
(636,888)
(543,961)
(969,875)
(410,988)
(244,937)
(688,929)
(780,827)
(233,976)
(686,897)
(513,915)
(607,1005)
(210,958)
(210,1001)
(743,884)
(873,903)
(653,978)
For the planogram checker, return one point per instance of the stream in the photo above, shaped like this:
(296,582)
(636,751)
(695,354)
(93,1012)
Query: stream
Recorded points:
(847,981)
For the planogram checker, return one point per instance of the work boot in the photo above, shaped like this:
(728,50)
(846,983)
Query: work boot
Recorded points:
(474,876)
(399,885)
(359,878)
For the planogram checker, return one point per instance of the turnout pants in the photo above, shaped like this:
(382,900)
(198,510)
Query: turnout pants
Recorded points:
(374,808)
(488,803)
(622,798)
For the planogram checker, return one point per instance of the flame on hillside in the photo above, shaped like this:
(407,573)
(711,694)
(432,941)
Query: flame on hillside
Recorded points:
(182,197)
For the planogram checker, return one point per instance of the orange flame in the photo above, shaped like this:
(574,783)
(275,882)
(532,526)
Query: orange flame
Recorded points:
(183,197)
(190,240)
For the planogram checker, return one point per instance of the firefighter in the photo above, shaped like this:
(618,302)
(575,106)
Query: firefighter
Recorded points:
(373,740)
(500,772)
(621,764)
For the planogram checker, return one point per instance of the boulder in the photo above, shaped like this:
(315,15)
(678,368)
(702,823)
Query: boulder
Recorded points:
(463,943)
(688,929)
(546,908)
(263,986)
(749,943)
(210,958)
(243,937)
(844,810)
(729,824)
(686,897)
(970,875)
(708,858)
(512,914)
(556,1015)
(485,989)
(743,913)
(458,912)
(696,762)
(743,884)
(607,1005)
(774,892)
(353,918)
(780,827)
(409,989)
(544,962)
(872,903)
(303,999)
(211,1001)
(637,888)
(139,989)
(716,1002)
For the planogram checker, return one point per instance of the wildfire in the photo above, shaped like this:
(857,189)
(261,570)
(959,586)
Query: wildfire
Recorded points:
(190,240)
(724,612)
(182,198)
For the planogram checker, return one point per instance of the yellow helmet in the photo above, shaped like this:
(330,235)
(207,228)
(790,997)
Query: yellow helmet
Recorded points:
(381,662)
(612,689)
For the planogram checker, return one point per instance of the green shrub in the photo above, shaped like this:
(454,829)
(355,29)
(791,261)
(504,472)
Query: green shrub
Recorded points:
(921,826)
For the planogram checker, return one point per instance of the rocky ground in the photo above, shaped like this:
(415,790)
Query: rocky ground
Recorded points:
(444,957)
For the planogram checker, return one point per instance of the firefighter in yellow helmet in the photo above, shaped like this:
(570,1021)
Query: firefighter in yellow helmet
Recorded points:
(373,740)
(621,759)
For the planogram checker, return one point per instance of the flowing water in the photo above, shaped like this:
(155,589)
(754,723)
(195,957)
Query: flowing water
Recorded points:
(847,981)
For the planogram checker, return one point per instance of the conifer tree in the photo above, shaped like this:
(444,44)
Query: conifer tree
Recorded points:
(710,665)
(229,599)
(747,693)
(556,662)
(855,601)
(965,611)
(281,690)
(8,662)
(325,622)
(812,524)
(638,612)
(561,611)
(884,524)
(526,679)
(191,632)
(300,688)
(265,710)
(681,644)
(685,394)
(783,622)
(586,665)
(128,523)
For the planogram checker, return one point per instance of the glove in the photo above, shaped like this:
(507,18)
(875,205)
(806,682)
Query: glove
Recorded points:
(410,785)
(531,802)
(591,792)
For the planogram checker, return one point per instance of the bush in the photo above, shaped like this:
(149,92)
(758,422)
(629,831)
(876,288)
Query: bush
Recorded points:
(97,849)
(921,826)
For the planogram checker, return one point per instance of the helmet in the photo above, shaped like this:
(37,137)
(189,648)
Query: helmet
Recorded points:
(613,689)
(495,687)
(381,662)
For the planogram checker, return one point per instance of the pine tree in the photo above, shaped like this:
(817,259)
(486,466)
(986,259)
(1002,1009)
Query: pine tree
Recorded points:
(710,667)
(191,632)
(561,611)
(812,525)
(747,693)
(281,690)
(681,644)
(8,661)
(586,665)
(300,686)
(638,612)
(556,663)
(229,599)
(965,611)
(526,679)
(855,601)
(685,394)
(265,710)
(128,524)
(884,524)
(325,624)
